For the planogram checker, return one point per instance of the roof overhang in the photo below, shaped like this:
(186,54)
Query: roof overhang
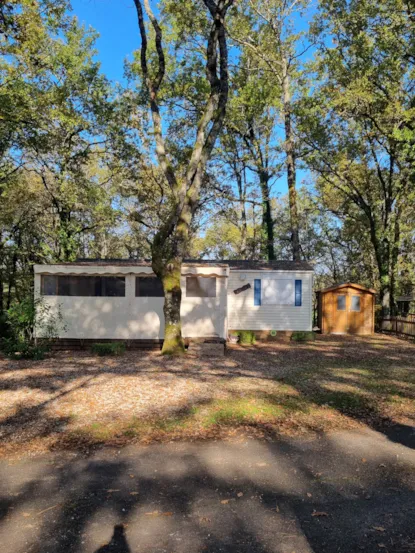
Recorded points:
(122,270)
(348,285)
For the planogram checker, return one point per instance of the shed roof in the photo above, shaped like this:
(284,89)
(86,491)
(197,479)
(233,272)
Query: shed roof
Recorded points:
(233,264)
(348,285)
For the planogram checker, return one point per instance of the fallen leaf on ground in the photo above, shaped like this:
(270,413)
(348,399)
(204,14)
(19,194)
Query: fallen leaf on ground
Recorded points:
(225,501)
(112,491)
(319,514)
(378,528)
(134,493)
(239,494)
(309,494)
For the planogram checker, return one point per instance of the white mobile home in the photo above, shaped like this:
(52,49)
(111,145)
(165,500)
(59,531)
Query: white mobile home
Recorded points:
(122,299)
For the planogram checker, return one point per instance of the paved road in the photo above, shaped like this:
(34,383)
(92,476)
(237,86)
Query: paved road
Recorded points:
(343,492)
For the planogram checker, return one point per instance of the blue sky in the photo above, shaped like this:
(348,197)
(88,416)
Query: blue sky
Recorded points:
(116,23)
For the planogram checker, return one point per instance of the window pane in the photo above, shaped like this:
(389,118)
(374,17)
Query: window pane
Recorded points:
(200,287)
(151,287)
(278,291)
(355,303)
(79,286)
(341,303)
(90,286)
(113,286)
(49,285)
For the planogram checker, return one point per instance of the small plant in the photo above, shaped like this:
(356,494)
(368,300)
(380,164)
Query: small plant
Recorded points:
(302,336)
(108,348)
(246,337)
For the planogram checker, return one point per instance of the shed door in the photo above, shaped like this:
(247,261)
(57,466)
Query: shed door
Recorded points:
(356,312)
(339,312)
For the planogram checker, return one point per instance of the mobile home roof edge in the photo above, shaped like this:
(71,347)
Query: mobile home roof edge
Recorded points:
(234,265)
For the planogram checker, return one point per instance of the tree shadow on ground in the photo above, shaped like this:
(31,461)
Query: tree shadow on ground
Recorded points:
(361,379)
(337,493)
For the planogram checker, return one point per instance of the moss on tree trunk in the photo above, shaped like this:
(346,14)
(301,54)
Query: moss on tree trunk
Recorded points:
(173,340)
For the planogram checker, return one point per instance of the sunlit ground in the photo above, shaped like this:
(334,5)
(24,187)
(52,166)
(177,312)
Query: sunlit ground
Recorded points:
(77,401)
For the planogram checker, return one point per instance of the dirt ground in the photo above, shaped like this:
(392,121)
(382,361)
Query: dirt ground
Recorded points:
(280,448)
(79,401)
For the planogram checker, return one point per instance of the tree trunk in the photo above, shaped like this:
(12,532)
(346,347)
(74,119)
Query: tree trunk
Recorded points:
(394,262)
(173,340)
(244,228)
(11,279)
(1,278)
(290,164)
(168,250)
(267,222)
(1,296)
(170,243)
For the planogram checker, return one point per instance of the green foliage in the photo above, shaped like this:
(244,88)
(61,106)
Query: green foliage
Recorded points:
(302,336)
(23,349)
(26,318)
(30,315)
(108,348)
(246,337)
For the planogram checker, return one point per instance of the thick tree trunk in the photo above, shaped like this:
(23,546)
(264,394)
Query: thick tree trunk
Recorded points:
(267,222)
(290,164)
(168,250)
(173,340)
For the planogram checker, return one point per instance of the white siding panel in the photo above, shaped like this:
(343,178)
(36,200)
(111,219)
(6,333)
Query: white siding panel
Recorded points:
(244,315)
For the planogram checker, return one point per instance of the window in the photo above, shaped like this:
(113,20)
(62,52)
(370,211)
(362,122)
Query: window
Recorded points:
(341,302)
(49,285)
(74,285)
(355,303)
(277,291)
(200,287)
(150,287)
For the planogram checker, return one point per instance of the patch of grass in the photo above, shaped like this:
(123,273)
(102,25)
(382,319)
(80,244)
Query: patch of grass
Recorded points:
(108,348)
(302,336)
(344,401)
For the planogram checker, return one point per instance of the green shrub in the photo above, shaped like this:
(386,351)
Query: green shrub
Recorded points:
(22,319)
(108,348)
(23,349)
(246,337)
(302,336)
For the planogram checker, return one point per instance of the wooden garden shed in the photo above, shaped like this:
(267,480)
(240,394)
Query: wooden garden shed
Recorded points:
(346,309)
